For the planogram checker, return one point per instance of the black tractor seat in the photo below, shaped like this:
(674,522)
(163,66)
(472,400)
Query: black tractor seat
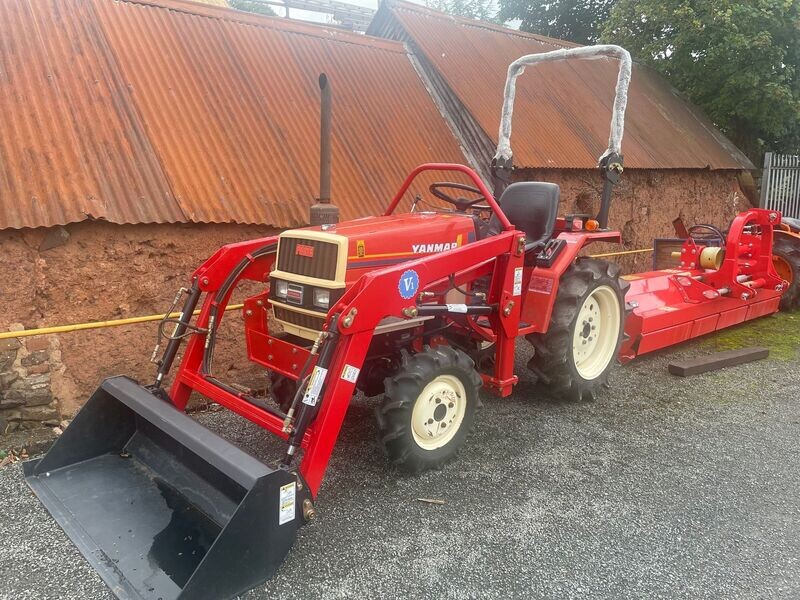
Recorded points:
(531,207)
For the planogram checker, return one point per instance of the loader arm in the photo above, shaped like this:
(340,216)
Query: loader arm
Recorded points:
(368,303)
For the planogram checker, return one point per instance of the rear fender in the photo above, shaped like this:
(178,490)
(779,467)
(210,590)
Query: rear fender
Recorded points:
(541,283)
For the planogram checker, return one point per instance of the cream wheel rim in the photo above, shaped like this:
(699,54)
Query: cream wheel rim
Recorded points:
(438,412)
(594,341)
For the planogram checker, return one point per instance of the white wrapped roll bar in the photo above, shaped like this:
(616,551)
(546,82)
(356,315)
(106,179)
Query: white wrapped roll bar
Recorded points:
(515,69)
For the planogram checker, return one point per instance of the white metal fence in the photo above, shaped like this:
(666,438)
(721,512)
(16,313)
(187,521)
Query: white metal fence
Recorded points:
(780,184)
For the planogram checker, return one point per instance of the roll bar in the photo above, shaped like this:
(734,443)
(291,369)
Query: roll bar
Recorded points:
(610,162)
(507,226)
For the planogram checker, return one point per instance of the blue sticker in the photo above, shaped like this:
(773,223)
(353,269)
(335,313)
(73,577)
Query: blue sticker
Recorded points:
(408,284)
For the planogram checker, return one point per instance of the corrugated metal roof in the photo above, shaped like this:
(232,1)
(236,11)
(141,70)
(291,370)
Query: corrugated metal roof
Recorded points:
(562,110)
(139,111)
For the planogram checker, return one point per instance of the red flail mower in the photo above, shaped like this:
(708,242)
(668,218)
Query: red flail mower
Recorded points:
(421,309)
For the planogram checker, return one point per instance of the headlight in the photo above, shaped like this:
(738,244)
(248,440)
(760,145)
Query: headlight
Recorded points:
(281,288)
(322,298)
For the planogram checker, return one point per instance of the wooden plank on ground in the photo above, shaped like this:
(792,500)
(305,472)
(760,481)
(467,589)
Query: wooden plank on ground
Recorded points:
(718,360)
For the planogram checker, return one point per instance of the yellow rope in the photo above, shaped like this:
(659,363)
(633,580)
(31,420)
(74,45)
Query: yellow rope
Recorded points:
(4,335)
(96,325)
(621,253)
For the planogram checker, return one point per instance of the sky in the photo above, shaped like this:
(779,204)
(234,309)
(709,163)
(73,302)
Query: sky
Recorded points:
(322,18)
(315,17)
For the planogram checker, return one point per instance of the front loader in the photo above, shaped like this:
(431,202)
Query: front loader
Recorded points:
(421,309)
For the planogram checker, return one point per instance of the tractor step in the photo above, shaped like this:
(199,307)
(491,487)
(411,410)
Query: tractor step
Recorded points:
(162,507)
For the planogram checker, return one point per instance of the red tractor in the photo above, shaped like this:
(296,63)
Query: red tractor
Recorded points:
(423,309)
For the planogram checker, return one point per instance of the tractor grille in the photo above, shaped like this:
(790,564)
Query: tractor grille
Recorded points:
(299,319)
(319,262)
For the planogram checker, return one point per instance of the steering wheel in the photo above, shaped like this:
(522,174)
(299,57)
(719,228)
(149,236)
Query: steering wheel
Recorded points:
(715,231)
(460,204)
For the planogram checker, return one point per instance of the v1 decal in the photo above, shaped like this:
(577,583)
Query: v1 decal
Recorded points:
(408,284)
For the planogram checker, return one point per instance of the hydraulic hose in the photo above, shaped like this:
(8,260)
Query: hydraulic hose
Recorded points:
(165,364)
(222,292)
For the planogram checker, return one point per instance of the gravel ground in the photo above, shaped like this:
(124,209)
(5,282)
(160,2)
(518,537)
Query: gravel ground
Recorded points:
(662,488)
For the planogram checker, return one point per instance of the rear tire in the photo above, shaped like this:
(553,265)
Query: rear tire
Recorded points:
(580,347)
(429,408)
(786,257)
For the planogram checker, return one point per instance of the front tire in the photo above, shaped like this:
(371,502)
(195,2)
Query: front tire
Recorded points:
(428,408)
(586,329)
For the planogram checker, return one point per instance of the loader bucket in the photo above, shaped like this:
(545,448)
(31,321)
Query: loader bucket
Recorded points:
(159,505)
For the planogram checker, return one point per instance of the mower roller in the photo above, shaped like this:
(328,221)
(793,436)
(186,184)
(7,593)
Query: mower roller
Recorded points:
(422,308)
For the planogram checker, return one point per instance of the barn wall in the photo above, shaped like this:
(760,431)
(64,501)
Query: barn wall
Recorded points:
(646,202)
(101,271)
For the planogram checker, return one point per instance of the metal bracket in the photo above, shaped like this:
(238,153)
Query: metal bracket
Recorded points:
(348,320)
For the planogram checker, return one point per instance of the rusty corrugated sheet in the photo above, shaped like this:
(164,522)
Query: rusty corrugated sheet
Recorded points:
(562,110)
(71,146)
(166,111)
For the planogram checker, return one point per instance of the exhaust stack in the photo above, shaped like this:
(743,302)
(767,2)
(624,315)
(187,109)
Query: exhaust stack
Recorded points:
(323,212)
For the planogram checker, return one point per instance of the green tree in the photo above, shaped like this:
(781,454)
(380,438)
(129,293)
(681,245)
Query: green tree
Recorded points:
(578,21)
(253,6)
(738,60)
(483,10)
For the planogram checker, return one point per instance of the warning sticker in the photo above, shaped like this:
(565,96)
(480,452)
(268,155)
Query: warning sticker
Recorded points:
(543,285)
(314,386)
(457,308)
(518,281)
(286,499)
(350,373)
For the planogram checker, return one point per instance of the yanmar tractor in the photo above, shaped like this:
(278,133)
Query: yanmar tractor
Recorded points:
(422,309)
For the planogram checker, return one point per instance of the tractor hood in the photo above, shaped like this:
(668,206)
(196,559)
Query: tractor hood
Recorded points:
(315,265)
(373,242)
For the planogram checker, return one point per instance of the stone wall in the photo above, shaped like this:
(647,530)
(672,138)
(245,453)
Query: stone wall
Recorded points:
(28,371)
(96,271)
